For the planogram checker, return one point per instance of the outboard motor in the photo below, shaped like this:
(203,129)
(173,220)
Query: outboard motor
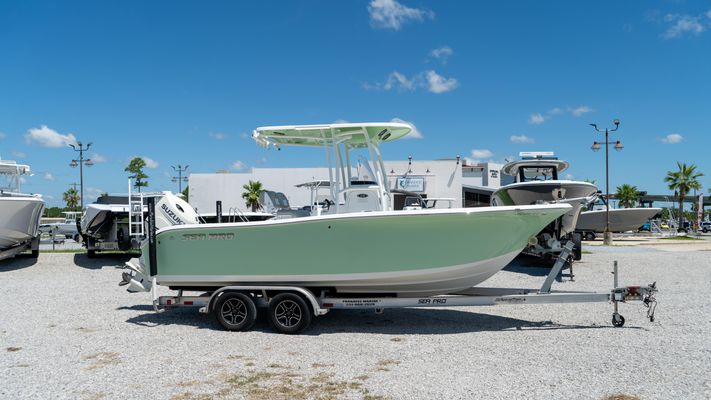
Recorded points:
(172,210)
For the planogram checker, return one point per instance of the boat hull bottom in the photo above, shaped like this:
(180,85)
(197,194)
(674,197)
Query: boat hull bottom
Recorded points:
(418,283)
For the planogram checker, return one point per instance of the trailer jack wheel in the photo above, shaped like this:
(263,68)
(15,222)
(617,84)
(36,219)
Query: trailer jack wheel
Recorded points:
(618,321)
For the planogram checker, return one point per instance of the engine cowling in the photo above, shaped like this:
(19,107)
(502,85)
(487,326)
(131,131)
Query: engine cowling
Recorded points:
(172,210)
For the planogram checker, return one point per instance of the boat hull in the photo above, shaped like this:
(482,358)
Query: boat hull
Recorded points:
(19,220)
(621,219)
(406,253)
(577,194)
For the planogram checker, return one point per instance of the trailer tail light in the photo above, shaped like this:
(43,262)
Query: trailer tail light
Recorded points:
(169,302)
(327,305)
(189,303)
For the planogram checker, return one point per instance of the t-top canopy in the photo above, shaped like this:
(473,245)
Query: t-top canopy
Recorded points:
(512,167)
(13,168)
(352,134)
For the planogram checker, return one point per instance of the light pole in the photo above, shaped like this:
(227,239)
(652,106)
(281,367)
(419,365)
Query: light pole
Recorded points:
(180,178)
(81,162)
(607,236)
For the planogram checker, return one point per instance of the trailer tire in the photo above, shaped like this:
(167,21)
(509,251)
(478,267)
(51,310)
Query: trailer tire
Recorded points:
(235,311)
(91,253)
(589,235)
(35,254)
(289,313)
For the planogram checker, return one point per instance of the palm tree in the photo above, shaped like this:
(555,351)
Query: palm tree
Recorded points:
(71,197)
(251,195)
(135,167)
(681,182)
(627,195)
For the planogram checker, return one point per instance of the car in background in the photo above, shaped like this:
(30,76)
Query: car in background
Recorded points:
(705,226)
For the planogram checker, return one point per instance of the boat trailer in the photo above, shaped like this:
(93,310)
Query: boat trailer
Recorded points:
(291,307)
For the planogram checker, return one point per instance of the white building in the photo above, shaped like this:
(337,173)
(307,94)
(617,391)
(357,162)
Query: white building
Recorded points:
(467,185)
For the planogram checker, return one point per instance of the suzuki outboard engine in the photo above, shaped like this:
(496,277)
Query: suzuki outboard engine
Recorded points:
(172,210)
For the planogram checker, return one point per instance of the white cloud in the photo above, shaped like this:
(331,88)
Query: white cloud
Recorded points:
(580,111)
(18,154)
(389,14)
(150,163)
(218,135)
(97,158)
(672,138)
(238,165)
(414,134)
(399,81)
(262,160)
(438,84)
(48,176)
(430,80)
(682,24)
(479,154)
(48,137)
(442,53)
(521,139)
(245,135)
(555,111)
(536,119)
(2,136)
(569,177)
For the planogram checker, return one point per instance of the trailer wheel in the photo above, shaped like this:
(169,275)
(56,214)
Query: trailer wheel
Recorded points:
(577,247)
(589,235)
(618,321)
(235,311)
(91,253)
(289,313)
(35,254)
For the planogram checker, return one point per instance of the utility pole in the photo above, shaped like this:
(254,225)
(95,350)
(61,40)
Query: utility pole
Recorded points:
(180,178)
(81,162)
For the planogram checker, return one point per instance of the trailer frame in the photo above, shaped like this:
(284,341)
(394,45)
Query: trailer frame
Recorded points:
(291,307)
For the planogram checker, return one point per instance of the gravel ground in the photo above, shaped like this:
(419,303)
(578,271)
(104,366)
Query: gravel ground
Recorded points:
(68,331)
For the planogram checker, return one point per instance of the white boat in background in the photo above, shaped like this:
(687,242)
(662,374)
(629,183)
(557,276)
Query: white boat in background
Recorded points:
(594,219)
(20,213)
(68,228)
(537,182)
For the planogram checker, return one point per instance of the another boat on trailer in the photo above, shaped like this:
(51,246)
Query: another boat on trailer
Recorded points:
(538,182)
(361,247)
(20,213)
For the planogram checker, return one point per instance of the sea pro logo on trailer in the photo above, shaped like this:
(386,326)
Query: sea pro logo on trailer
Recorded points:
(171,214)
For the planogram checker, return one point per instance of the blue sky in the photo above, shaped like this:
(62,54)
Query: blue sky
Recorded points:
(186,82)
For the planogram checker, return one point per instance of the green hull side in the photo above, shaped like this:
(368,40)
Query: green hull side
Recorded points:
(309,246)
